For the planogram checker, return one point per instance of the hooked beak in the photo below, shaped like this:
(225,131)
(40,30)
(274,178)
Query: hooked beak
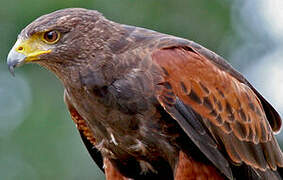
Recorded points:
(26,51)
(15,59)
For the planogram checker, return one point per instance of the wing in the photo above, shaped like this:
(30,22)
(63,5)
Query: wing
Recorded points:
(218,109)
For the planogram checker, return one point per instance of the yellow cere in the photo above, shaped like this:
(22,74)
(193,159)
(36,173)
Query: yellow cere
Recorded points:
(32,47)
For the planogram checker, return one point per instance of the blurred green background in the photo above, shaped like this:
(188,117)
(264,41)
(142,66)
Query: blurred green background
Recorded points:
(38,140)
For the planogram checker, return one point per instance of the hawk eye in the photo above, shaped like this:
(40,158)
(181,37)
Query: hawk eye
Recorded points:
(51,37)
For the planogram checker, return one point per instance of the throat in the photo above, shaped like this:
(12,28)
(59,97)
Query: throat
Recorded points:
(62,69)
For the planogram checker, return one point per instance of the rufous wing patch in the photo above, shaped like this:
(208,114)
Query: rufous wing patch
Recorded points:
(231,110)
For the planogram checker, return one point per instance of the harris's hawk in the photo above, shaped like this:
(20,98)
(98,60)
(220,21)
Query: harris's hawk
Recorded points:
(153,106)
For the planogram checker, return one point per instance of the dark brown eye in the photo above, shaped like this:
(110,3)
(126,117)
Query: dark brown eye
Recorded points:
(51,37)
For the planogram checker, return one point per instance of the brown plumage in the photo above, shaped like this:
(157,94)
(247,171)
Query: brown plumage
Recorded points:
(153,106)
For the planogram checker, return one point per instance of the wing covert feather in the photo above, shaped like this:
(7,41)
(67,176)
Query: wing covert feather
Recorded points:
(231,110)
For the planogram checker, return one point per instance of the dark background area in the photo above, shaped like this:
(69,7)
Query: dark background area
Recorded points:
(38,140)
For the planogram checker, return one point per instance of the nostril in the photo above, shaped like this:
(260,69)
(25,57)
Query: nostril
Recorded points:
(20,48)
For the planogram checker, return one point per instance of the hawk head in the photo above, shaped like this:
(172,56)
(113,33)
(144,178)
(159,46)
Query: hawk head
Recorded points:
(68,36)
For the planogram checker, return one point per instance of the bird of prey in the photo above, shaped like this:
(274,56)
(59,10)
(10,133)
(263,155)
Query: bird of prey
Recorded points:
(150,105)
